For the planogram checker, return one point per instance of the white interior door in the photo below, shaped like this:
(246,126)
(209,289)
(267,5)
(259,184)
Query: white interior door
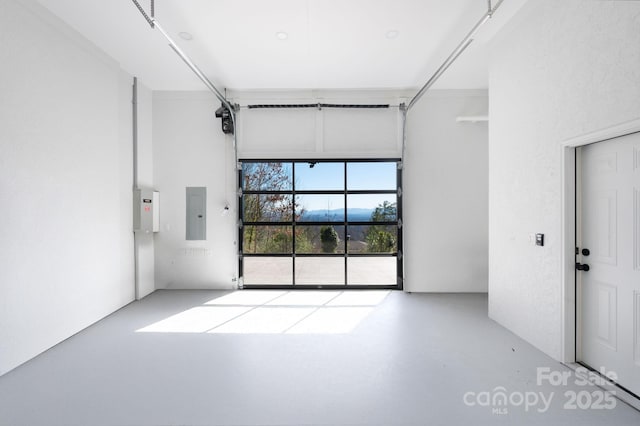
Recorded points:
(609,291)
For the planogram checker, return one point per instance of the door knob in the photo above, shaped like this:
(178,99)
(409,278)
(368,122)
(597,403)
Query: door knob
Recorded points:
(582,267)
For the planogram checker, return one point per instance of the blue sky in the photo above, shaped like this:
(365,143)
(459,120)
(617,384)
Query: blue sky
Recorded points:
(330,176)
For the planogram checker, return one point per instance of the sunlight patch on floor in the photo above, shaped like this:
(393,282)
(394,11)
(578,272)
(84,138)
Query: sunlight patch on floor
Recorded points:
(274,312)
(265,320)
(196,320)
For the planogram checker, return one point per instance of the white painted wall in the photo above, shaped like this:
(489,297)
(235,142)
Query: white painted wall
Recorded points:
(446,176)
(559,70)
(189,149)
(66,245)
(446,193)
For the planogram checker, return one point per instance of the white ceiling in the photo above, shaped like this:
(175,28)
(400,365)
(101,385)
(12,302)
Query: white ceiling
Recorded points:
(332,44)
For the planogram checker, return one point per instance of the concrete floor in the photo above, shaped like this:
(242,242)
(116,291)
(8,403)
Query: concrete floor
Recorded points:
(207,358)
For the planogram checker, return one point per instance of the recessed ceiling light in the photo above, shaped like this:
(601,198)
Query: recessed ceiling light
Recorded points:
(391,34)
(185,36)
(281,35)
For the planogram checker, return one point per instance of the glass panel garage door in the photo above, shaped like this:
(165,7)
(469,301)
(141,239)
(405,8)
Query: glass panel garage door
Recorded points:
(320,224)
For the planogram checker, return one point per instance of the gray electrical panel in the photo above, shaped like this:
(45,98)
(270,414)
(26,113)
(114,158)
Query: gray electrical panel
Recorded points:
(145,210)
(196,213)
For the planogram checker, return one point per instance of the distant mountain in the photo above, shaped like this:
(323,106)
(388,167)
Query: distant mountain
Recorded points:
(337,215)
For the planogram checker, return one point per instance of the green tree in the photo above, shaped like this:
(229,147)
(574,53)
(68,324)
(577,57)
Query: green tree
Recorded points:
(278,241)
(385,212)
(303,239)
(378,238)
(329,239)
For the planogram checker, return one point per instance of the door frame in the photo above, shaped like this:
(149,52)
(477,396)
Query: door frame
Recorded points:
(570,221)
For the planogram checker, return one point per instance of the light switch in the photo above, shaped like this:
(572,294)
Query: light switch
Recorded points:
(540,239)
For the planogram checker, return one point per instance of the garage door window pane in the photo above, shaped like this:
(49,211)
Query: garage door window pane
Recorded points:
(320,270)
(268,271)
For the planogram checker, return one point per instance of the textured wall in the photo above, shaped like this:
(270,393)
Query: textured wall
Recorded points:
(560,69)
